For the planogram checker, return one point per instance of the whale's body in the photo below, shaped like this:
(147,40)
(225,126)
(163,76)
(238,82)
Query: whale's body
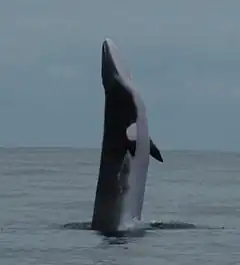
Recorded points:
(126,146)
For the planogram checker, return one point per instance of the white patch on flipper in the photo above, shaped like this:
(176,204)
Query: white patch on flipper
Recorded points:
(132,132)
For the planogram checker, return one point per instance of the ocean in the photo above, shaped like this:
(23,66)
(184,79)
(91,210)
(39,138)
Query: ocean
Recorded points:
(41,189)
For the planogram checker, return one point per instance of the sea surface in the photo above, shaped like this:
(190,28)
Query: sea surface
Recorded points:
(41,189)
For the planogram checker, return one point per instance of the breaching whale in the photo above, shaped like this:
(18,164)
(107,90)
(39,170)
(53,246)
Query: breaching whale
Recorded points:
(124,161)
(126,146)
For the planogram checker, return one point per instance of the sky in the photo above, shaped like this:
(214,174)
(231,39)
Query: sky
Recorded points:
(184,57)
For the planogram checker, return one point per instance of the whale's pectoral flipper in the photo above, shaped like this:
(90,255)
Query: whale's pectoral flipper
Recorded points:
(154,151)
(132,136)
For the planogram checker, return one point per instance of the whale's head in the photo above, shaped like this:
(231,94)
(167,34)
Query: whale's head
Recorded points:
(113,65)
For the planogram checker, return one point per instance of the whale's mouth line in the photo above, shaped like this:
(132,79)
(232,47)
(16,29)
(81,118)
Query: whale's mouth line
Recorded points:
(139,231)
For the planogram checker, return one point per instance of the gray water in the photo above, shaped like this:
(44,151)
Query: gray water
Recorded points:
(42,188)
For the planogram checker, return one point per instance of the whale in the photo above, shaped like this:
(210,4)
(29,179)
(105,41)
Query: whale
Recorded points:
(126,148)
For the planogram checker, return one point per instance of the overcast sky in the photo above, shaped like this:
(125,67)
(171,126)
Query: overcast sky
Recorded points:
(184,57)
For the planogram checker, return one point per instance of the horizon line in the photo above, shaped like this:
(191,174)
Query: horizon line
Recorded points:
(99,148)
